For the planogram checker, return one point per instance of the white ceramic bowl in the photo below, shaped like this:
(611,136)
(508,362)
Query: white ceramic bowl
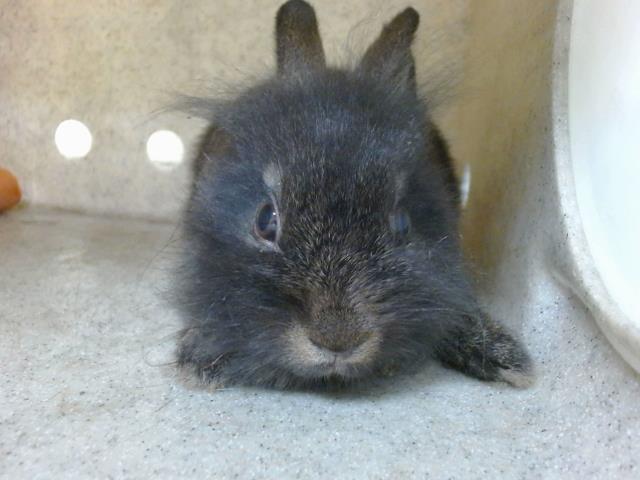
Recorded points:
(599,182)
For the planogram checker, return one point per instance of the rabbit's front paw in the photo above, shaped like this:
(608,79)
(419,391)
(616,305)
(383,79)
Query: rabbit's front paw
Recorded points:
(482,349)
(197,357)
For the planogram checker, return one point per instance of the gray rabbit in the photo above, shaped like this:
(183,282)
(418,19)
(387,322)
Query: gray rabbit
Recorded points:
(321,243)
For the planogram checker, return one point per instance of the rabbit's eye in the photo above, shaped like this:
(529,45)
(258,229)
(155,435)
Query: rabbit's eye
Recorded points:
(400,222)
(266,226)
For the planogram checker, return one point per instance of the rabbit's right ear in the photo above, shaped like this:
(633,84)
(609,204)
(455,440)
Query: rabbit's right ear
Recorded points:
(298,44)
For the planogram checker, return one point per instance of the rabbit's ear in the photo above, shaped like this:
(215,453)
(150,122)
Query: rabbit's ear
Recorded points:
(389,58)
(298,44)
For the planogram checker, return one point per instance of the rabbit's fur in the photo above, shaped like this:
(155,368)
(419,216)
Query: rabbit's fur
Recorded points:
(340,296)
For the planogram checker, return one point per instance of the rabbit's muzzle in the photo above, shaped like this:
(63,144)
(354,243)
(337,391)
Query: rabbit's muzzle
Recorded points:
(335,342)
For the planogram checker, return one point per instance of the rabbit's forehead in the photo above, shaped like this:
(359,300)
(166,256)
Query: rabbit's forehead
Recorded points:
(333,163)
(272,178)
(328,184)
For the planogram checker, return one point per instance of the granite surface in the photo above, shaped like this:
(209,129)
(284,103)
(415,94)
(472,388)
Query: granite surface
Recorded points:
(88,389)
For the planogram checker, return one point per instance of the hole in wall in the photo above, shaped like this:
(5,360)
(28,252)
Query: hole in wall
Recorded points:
(165,149)
(73,139)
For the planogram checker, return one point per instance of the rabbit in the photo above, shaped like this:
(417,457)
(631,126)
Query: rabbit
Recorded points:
(321,243)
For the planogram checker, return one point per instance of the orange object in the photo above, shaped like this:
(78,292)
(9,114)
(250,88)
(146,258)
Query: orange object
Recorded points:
(9,190)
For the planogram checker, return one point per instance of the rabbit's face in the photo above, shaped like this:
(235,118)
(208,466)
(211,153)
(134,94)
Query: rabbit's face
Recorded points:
(321,232)
(313,229)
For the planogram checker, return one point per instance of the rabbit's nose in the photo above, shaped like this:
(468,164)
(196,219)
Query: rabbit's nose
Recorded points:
(338,343)
(337,329)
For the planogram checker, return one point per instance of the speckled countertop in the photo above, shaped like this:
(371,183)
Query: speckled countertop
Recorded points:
(87,391)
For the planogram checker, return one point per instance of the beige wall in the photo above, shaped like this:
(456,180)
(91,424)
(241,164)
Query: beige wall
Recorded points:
(500,124)
(114,64)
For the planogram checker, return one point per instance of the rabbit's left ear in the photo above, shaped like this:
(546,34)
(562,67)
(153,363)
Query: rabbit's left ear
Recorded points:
(298,44)
(389,58)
